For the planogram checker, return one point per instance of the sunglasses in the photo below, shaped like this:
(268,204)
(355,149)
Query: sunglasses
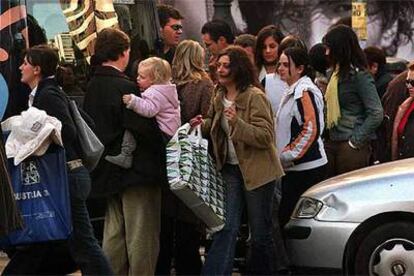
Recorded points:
(409,82)
(176,27)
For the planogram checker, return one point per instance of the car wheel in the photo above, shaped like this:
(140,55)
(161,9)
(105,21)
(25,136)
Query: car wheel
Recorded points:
(387,250)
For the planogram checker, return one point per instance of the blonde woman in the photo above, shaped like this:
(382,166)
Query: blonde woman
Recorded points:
(194,86)
(180,229)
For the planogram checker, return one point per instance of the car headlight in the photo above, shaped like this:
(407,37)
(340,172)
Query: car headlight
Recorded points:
(307,208)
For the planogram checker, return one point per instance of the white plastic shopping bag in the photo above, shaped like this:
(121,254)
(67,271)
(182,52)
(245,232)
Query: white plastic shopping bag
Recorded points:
(193,176)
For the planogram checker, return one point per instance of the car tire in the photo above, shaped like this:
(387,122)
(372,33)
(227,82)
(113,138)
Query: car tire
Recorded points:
(387,250)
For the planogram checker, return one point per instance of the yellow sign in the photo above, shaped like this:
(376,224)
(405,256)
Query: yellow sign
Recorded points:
(359,19)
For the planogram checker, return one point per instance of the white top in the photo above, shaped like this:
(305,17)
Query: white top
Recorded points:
(231,151)
(275,88)
(32,95)
(311,126)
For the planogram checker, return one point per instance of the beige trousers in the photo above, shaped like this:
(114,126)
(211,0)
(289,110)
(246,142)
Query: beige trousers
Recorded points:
(131,230)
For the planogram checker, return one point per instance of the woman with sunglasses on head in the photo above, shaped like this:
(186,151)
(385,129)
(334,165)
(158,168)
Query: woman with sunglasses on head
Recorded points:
(402,145)
(38,71)
(353,107)
(240,126)
(299,125)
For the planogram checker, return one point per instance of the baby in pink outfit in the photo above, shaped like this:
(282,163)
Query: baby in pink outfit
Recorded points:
(159,100)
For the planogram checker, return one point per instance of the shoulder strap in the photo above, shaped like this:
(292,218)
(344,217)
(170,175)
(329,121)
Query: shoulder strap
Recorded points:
(85,116)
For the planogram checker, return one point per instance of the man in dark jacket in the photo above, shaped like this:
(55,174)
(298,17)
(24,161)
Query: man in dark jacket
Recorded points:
(377,67)
(132,222)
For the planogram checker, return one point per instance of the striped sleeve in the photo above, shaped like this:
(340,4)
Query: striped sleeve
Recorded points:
(309,131)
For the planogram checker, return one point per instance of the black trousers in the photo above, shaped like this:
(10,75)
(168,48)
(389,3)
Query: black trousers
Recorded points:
(50,258)
(179,248)
(294,184)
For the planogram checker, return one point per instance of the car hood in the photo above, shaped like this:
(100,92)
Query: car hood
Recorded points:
(356,195)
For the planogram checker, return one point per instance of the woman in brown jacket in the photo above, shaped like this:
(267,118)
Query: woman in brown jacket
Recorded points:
(240,124)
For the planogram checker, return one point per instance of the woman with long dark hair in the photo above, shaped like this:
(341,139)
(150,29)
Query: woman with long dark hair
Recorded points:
(240,126)
(353,107)
(267,44)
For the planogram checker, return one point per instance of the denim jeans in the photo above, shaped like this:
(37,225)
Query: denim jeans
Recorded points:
(83,245)
(261,258)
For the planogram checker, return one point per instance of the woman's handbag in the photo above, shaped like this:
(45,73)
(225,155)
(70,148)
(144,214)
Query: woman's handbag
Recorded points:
(193,177)
(92,147)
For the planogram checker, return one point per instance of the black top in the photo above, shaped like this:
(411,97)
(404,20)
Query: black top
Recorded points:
(50,98)
(168,56)
(103,102)
(406,141)
(382,79)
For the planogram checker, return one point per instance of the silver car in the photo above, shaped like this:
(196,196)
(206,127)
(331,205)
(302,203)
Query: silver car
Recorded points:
(361,222)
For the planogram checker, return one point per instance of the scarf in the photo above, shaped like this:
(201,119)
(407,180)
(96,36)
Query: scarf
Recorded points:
(333,110)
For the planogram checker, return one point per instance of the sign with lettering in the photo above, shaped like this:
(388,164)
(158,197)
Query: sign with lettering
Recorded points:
(359,19)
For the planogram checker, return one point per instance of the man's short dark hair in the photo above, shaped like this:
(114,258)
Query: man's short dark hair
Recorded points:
(217,28)
(110,44)
(165,12)
(245,40)
(375,54)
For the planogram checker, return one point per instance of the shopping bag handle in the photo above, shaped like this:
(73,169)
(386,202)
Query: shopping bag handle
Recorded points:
(195,134)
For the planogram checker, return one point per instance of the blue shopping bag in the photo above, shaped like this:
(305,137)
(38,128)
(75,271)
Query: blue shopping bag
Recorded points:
(40,186)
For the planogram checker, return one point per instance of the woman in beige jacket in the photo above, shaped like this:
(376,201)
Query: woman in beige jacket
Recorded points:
(240,125)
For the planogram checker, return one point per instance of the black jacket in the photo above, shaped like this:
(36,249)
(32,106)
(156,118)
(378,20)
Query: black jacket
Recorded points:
(50,98)
(103,102)
(382,79)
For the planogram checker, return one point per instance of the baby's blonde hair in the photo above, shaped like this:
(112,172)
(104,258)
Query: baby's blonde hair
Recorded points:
(159,69)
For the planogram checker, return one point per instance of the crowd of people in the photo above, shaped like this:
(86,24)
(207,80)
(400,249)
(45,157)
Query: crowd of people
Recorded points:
(279,119)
